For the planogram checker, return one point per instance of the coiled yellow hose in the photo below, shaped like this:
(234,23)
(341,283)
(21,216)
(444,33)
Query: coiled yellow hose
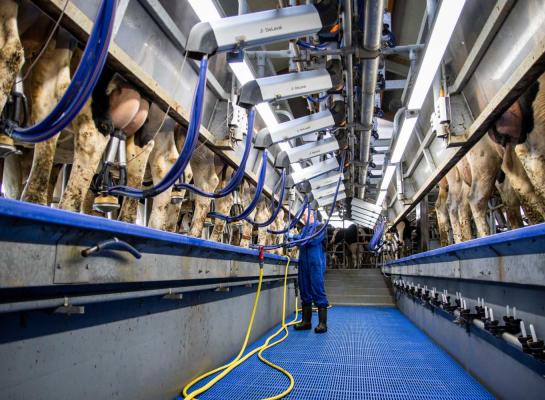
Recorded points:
(239,359)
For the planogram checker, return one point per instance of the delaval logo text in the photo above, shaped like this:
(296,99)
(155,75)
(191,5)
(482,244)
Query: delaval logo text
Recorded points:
(269,29)
(303,129)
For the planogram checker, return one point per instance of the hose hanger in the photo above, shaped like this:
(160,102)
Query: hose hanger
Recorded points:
(276,209)
(237,177)
(191,140)
(259,189)
(81,85)
(294,221)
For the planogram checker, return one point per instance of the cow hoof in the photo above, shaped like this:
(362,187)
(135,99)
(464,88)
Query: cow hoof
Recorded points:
(105,203)
(177,197)
(7,146)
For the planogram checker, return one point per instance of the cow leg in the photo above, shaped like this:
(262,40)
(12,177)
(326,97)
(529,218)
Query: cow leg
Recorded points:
(222,205)
(12,56)
(353,248)
(89,145)
(162,158)
(465,213)
(137,160)
(453,201)
(246,235)
(511,203)
(205,177)
(441,209)
(532,152)
(50,78)
(533,206)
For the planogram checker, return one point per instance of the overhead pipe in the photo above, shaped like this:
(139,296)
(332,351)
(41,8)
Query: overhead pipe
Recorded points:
(372,36)
(347,37)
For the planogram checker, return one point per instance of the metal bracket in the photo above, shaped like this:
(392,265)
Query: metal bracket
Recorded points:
(69,309)
(173,296)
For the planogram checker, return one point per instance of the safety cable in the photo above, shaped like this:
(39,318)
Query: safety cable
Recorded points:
(185,154)
(81,85)
(259,189)
(294,221)
(236,178)
(276,209)
(259,350)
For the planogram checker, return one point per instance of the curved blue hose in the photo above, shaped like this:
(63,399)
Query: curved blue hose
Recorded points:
(377,235)
(310,46)
(185,155)
(294,221)
(275,210)
(237,177)
(305,240)
(82,84)
(319,99)
(259,188)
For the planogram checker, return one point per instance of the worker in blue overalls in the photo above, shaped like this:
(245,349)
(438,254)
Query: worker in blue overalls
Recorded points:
(312,265)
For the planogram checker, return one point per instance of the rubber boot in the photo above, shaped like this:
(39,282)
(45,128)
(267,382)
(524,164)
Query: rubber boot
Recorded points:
(305,323)
(322,320)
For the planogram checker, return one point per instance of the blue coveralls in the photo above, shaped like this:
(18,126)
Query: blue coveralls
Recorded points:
(312,265)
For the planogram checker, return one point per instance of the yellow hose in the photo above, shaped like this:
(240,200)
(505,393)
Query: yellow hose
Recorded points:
(227,367)
(238,360)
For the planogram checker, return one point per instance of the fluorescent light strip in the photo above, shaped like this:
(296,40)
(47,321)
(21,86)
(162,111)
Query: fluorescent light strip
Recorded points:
(205,10)
(381,198)
(445,22)
(390,170)
(403,139)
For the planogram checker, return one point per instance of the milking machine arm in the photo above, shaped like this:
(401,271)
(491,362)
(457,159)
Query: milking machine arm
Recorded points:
(259,188)
(81,85)
(276,209)
(237,177)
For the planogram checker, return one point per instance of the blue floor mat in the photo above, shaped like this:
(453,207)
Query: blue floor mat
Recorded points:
(367,353)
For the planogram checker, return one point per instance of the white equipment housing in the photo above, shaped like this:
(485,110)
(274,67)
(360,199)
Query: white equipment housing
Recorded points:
(253,29)
(293,129)
(306,151)
(319,182)
(285,86)
(315,170)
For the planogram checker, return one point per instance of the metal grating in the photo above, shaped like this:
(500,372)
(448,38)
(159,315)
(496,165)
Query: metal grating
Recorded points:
(368,353)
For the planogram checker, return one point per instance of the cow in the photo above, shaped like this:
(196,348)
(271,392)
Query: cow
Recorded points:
(350,237)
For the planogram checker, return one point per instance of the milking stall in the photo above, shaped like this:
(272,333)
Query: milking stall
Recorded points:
(267,199)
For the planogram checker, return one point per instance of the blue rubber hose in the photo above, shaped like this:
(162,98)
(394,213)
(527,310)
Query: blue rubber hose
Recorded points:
(304,240)
(276,209)
(377,235)
(81,85)
(237,177)
(310,46)
(294,221)
(319,99)
(259,188)
(185,155)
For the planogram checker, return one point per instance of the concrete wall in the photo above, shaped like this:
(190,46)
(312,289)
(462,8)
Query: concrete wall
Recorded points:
(138,349)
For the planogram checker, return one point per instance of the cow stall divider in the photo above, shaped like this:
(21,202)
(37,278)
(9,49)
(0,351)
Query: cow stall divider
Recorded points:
(77,93)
